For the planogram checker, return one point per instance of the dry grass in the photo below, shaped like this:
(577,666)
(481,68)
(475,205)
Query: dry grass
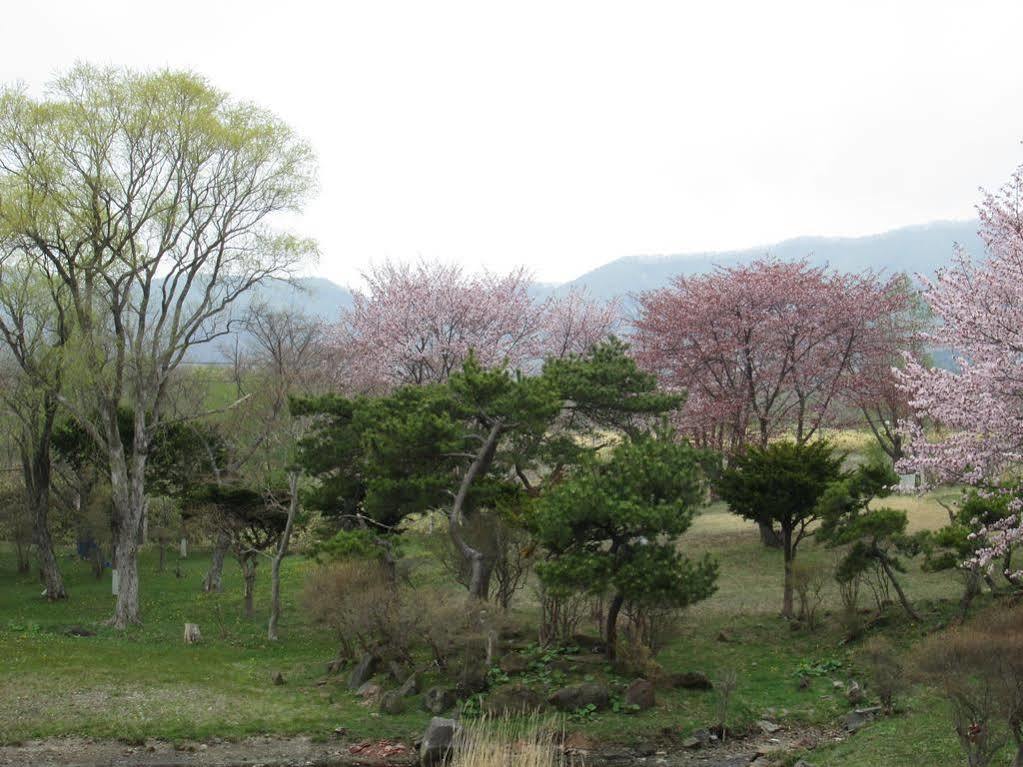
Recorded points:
(497,743)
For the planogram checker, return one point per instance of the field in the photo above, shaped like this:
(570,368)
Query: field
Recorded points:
(147,683)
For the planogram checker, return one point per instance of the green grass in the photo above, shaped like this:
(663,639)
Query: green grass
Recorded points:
(147,683)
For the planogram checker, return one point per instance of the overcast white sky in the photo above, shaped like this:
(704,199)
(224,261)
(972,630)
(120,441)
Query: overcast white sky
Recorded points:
(562,135)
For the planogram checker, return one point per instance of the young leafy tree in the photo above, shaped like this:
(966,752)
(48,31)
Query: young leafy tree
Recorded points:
(149,198)
(613,527)
(875,536)
(781,484)
(33,329)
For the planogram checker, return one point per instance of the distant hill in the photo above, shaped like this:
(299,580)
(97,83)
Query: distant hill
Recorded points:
(317,297)
(913,249)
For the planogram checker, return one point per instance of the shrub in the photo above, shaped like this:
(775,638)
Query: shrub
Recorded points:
(979,668)
(886,673)
(365,608)
(808,581)
(725,681)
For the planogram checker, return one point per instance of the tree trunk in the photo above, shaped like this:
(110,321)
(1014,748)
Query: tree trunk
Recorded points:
(970,592)
(769,536)
(479,584)
(611,627)
(898,589)
(163,556)
(214,576)
(282,552)
(787,609)
(23,563)
(249,577)
(36,469)
(128,495)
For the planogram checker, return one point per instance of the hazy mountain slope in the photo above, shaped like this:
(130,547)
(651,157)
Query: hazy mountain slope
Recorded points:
(913,249)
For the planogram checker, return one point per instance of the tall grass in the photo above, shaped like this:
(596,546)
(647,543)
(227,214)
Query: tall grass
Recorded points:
(487,742)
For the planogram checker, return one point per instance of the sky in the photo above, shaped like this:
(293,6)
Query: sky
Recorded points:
(563,135)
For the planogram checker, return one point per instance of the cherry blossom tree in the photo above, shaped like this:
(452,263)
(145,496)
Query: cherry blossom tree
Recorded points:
(416,324)
(763,348)
(976,409)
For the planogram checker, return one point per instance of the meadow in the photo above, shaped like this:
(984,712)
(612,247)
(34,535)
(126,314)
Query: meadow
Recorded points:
(146,683)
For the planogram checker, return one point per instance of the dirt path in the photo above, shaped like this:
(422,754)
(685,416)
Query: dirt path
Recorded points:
(303,752)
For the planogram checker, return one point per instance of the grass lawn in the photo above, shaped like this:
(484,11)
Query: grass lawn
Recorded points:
(147,683)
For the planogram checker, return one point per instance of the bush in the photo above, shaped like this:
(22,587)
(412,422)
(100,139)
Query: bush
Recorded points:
(358,600)
(886,673)
(808,581)
(979,669)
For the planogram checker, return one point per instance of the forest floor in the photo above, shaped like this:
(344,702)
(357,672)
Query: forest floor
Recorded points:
(119,694)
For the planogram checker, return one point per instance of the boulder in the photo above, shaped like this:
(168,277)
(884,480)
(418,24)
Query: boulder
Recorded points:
(699,739)
(855,694)
(577,696)
(437,741)
(688,680)
(363,671)
(392,702)
(768,727)
(370,693)
(513,663)
(437,700)
(410,686)
(641,694)
(513,700)
(855,720)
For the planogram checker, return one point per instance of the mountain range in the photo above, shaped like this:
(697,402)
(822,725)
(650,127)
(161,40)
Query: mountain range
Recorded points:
(917,250)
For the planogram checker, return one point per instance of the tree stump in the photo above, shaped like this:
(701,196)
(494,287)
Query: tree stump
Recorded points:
(192,634)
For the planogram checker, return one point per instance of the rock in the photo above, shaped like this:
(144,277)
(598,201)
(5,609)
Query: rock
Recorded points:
(768,727)
(79,631)
(336,665)
(855,720)
(363,671)
(641,694)
(370,692)
(577,696)
(513,700)
(513,663)
(804,683)
(392,702)
(688,680)
(410,686)
(437,700)
(724,636)
(698,739)
(435,745)
(836,685)
(802,763)
(855,694)
(192,633)
(397,671)
(277,678)
(578,741)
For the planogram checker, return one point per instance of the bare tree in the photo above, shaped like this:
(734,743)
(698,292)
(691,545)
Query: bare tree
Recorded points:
(148,197)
